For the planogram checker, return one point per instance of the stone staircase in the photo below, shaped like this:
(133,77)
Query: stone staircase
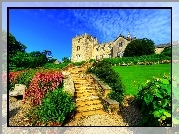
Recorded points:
(87,100)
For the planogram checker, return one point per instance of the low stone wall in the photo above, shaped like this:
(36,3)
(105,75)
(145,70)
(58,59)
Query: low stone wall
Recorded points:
(68,83)
(103,89)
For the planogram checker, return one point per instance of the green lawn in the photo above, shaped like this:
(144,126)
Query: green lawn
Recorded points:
(133,76)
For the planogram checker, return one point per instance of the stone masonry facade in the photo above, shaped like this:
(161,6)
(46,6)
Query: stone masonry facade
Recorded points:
(86,47)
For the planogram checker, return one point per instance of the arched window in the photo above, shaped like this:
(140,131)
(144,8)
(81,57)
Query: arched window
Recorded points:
(78,48)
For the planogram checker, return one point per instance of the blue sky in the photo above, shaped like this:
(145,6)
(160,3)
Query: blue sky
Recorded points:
(53,29)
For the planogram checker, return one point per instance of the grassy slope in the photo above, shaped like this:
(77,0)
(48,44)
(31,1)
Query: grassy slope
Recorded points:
(133,76)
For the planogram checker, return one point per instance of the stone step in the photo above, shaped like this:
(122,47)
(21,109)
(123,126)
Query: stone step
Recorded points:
(85,94)
(89,113)
(87,103)
(100,111)
(74,72)
(83,88)
(78,115)
(81,81)
(89,108)
(79,85)
(87,98)
(85,91)
(78,77)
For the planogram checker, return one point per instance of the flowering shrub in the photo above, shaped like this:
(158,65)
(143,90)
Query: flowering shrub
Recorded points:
(41,84)
(26,76)
(13,77)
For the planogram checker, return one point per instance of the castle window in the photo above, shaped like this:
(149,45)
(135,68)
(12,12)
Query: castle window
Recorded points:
(102,56)
(119,54)
(96,49)
(120,44)
(96,57)
(78,48)
(109,55)
(77,56)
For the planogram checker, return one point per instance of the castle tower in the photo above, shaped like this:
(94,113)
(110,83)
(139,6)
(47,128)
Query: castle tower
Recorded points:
(82,47)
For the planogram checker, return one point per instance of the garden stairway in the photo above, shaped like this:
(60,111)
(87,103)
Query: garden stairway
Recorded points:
(87,100)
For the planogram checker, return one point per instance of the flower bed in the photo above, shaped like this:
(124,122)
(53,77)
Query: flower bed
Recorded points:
(41,84)
(49,103)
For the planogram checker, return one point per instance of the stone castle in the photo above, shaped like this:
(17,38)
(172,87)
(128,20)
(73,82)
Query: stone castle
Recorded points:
(86,47)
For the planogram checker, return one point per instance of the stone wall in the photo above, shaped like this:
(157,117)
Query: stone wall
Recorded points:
(86,47)
(102,50)
(117,49)
(68,83)
(82,47)
(103,90)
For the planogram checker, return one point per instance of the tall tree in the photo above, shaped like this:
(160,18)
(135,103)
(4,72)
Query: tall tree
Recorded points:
(139,47)
(14,45)
(65,59)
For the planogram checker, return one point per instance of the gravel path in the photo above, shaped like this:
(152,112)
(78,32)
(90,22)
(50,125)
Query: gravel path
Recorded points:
(128,116)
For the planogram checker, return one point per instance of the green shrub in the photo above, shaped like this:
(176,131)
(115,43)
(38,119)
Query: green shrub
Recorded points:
(56,105)
(146,47)
(104,71)
(78,63)
(91,60)
(167,51)
(27,60)
(154,58)
(55,66)
(154,99)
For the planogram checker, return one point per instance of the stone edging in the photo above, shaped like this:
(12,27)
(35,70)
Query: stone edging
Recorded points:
(103,89)
(68,83)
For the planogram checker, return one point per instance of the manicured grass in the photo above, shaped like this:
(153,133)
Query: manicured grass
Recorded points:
(133,76)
